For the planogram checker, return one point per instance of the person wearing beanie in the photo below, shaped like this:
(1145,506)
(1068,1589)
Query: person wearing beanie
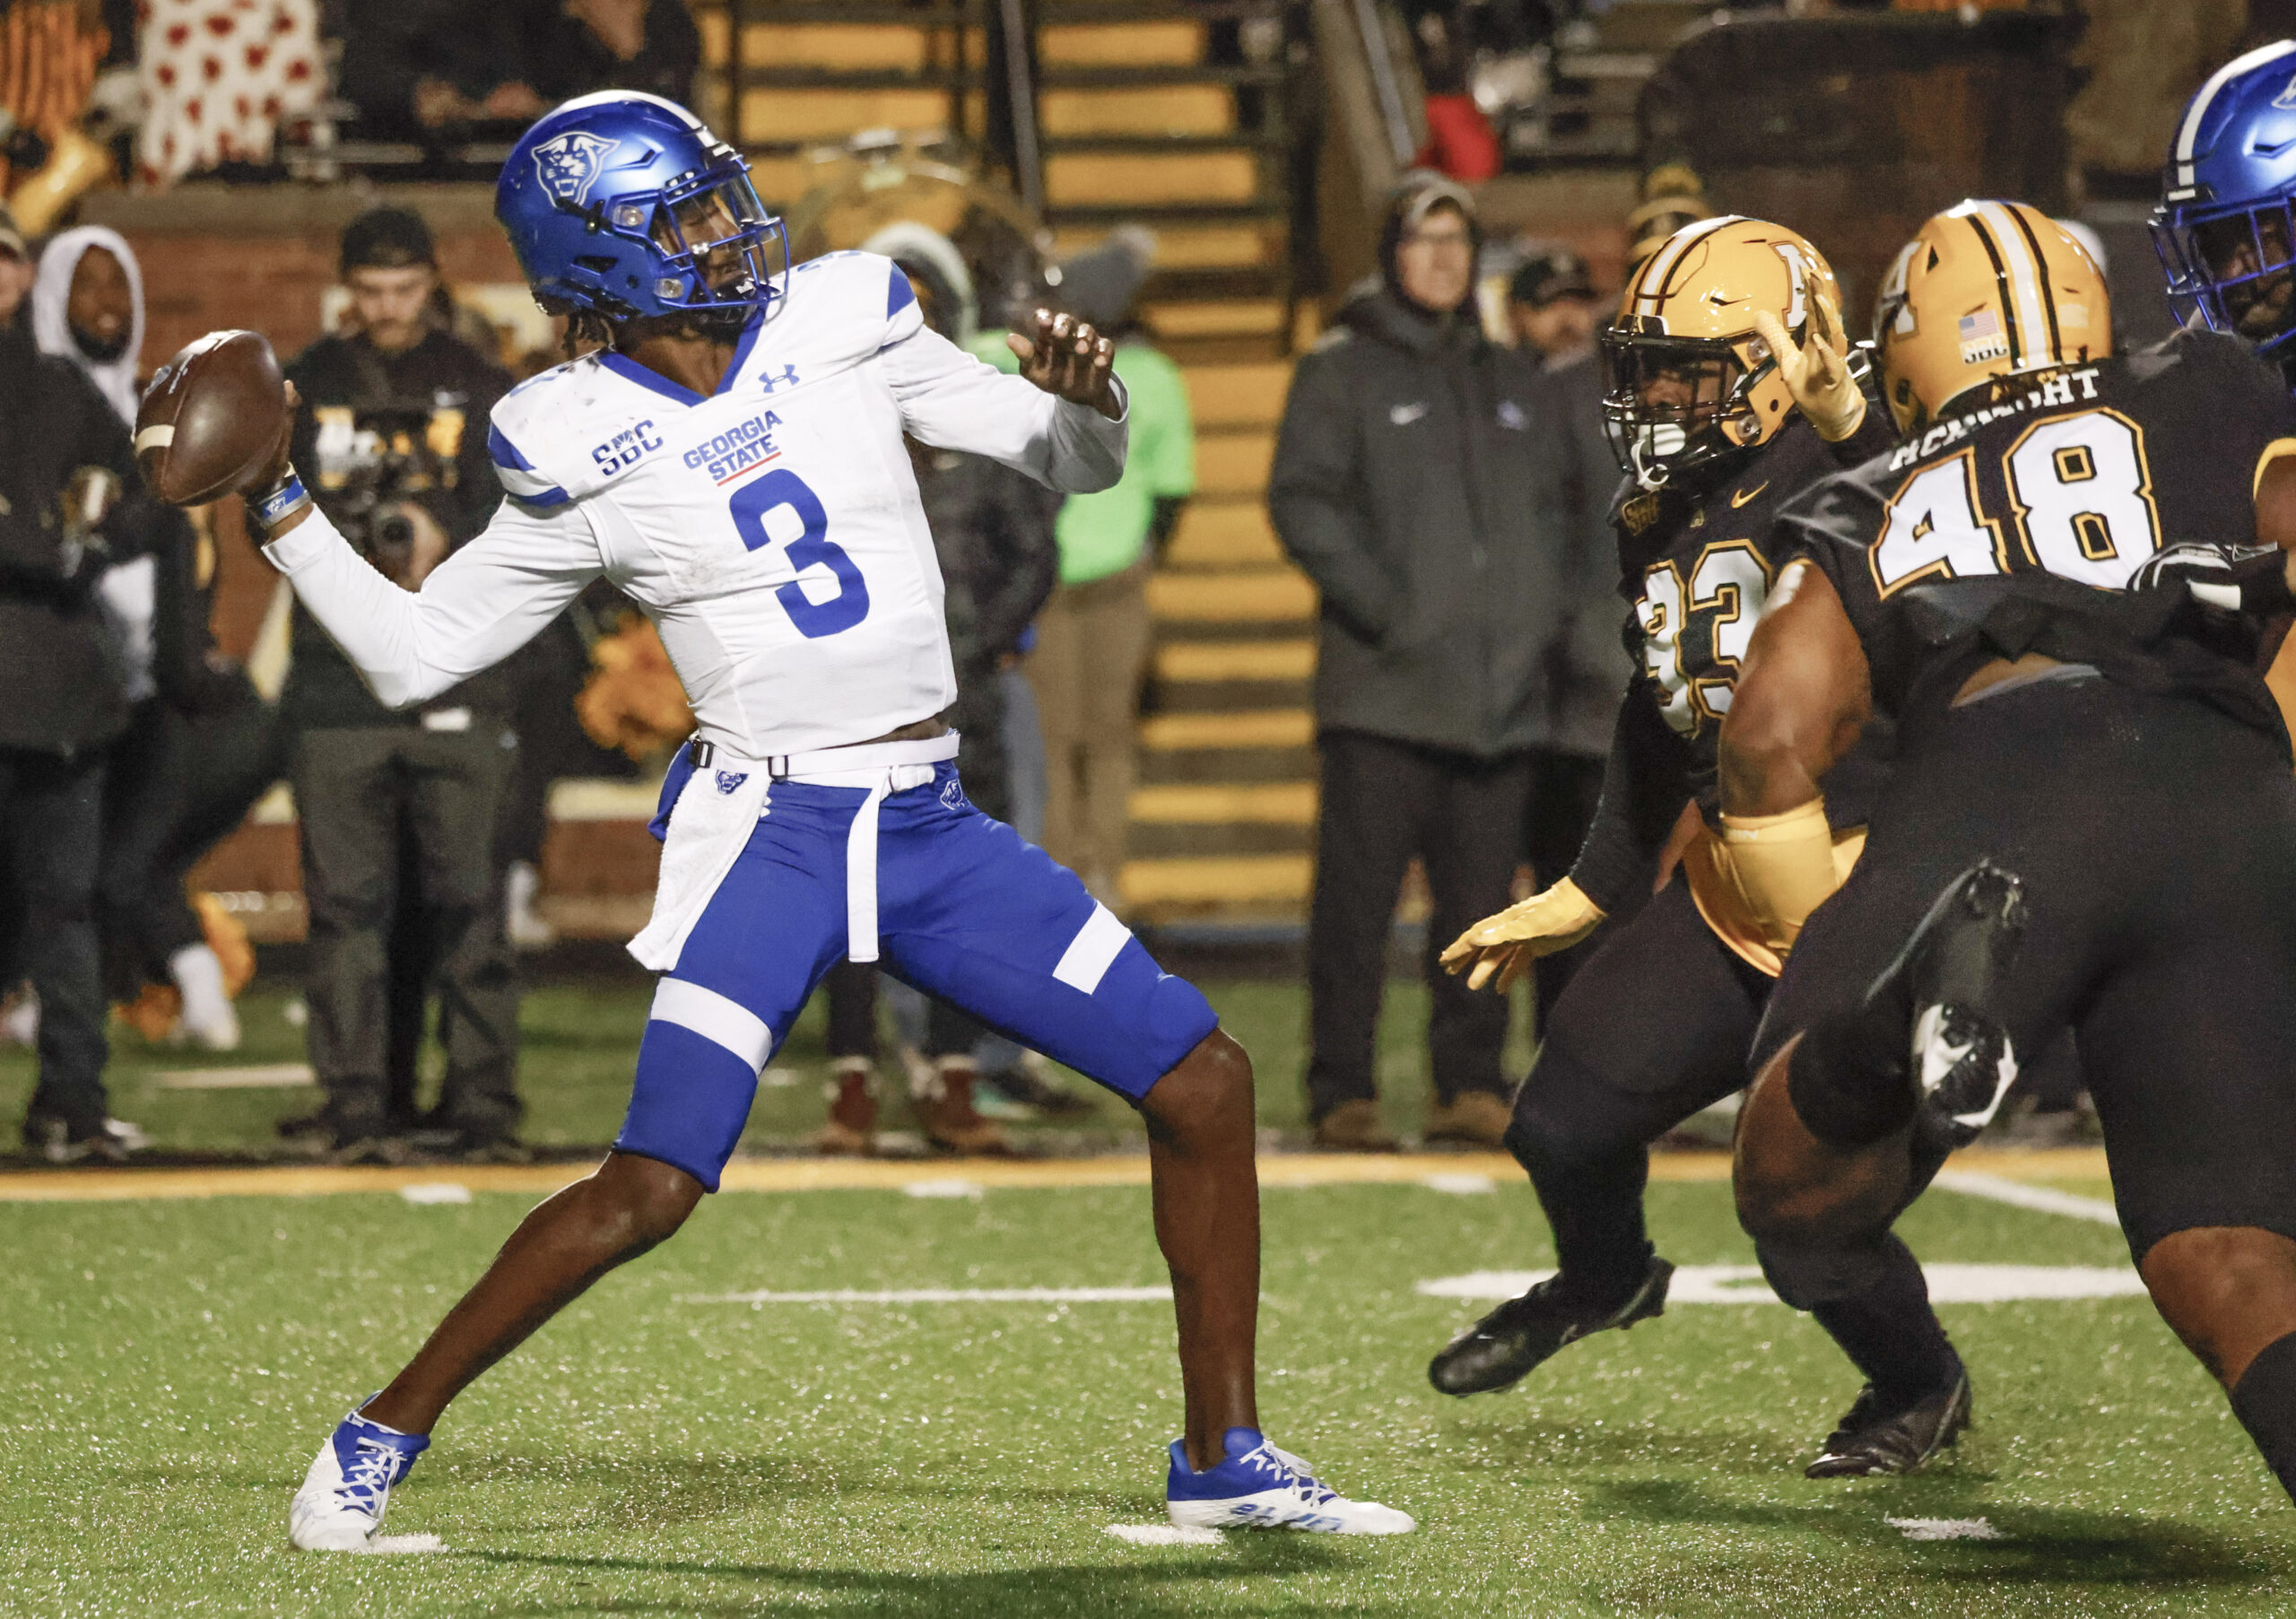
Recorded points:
(1421,481)
(392,432)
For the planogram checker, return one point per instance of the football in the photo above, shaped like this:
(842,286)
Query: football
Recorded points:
(211,418)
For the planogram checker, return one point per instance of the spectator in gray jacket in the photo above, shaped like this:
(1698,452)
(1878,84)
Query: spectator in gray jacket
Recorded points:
(1419,482)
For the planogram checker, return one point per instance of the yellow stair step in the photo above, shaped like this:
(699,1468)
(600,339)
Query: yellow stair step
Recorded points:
(1239,728)
(1238,396)
(1233,463)
(1191,247)
(1077,179)
(1161,110)
(1214,804)
(1198,661)
(845,46)
(1217,317)
(829,115)
(1224,533)
(1161,44)
(1273,595)
(1218,880)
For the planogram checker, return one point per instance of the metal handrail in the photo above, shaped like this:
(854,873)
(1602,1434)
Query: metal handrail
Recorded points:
(1384,81)
(1021,91)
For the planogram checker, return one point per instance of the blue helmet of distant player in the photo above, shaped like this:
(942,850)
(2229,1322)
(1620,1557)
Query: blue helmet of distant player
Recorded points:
(626,205)
(2226,227)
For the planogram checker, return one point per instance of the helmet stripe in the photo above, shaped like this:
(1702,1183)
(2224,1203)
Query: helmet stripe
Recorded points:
(2188,136)
(1657,275)
(2000,283)
(2024,268)
(2041,278)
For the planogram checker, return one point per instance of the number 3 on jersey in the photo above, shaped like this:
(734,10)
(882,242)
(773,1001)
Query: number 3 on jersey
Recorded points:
(782,490)
(2081,503)
(1684,639)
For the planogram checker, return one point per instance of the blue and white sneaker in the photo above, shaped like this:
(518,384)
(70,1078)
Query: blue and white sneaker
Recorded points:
(1261,1487)
(344,1496)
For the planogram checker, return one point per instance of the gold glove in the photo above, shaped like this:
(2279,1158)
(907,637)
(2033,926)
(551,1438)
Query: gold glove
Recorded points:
(1782,866)
(1554,918)
(1817,373)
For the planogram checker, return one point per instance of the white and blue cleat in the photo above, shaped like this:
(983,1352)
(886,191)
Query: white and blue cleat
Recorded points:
(345,1493)
(1260,1487)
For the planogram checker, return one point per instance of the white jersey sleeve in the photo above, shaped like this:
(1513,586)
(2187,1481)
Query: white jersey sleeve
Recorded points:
(952,400)
(476,608)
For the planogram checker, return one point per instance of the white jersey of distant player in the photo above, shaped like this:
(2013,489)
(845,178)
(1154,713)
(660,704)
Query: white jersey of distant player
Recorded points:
(772,531)
(782,548)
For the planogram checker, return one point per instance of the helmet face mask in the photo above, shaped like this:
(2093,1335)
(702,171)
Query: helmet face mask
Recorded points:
(1677,402)
(624,206)
(2228,269)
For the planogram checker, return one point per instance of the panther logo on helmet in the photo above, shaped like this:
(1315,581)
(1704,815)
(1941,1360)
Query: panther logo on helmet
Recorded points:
(570,165)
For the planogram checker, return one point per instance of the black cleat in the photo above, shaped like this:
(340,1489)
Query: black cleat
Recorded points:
(1869,1443)
(1963,1063)
(1503,1348)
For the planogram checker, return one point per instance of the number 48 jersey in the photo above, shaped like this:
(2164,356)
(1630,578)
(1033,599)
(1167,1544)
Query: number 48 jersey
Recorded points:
(772,531)
(2074,476)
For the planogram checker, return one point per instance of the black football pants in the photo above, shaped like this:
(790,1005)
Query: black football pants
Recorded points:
(51,827)
(1383,803)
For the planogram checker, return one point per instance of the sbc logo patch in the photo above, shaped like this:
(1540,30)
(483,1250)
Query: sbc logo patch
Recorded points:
(952,793)
(728,781)
(568,165)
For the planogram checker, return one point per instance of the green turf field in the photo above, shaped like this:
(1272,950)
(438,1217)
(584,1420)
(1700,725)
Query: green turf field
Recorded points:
(578,1043)
(174,1364)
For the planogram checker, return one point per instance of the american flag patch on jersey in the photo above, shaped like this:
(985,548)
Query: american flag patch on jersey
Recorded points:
(1982,337)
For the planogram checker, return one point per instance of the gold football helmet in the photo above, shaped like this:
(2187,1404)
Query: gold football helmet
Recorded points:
(1690,380)
(1985,290)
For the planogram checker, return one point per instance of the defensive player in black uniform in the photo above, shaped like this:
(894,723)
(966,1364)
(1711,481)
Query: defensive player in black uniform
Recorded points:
(2091,819)
(1731,392)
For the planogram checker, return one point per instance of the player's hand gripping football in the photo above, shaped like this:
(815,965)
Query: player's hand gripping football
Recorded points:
(1816,372)
(1553,919)
(1066,356)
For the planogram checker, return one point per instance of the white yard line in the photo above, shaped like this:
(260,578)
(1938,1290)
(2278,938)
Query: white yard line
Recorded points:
(1743,1284)
(947,1295)
(1973,1183)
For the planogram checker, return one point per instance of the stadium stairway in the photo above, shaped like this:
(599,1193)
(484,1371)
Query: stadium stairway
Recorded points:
(1168,114)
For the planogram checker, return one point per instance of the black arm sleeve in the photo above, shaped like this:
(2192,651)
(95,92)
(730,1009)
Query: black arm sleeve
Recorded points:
(1024,566)
(1646,782)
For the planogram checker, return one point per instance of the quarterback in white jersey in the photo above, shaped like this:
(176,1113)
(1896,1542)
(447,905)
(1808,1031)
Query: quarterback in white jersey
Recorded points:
(733,460)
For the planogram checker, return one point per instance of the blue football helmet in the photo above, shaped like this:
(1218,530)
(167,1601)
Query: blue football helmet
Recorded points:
(2226,227)
(626,204)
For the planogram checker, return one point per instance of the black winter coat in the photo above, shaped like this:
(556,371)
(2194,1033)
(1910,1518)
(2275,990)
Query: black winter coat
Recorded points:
(61,689)
(1425,482)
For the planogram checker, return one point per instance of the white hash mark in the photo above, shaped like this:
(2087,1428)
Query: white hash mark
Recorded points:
(1460,1186)
(1944,1528)
(1164,1534)
(436,1191)
(387,1545)
(943,1188)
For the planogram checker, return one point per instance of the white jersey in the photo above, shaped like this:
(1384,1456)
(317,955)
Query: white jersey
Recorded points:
(772,531)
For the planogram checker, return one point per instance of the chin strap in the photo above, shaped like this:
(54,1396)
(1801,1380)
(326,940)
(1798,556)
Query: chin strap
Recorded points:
(1649,479)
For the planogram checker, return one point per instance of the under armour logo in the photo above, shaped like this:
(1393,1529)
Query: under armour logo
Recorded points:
(769,382)
(570,164)
(728,780)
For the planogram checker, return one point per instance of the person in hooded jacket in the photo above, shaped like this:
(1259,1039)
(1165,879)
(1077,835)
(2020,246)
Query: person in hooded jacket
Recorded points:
(67,486)
(1422,483)
(200,745)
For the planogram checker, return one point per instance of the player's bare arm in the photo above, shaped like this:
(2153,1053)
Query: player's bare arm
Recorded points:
(1801,698)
